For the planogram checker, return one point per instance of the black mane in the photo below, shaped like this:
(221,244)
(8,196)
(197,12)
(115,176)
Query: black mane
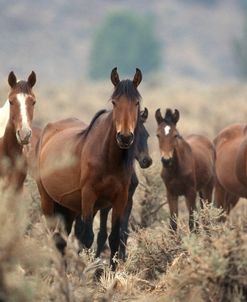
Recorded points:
(127,88)
(89,127)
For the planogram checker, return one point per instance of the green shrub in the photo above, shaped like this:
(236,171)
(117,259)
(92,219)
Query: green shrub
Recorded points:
(127,41)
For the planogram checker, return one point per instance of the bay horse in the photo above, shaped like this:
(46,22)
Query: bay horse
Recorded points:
(188,165)
(231,172)
(16,120)
(144,160)
(100,165)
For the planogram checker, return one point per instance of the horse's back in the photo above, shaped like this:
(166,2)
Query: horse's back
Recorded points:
(54,128)
(204,157)
(229,134)
(227,144)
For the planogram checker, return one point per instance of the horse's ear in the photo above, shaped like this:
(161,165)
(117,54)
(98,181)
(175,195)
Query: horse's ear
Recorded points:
(12,79)
(137,77)
(144,115)
(32,79)
(176,116)
(115,77)
(158,117)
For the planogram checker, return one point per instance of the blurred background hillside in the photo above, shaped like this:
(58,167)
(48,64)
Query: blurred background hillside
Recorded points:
(198,38)
(193,54)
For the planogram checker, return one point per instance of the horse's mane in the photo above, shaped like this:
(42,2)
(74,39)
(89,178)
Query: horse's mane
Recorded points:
(89,127)
(127,88)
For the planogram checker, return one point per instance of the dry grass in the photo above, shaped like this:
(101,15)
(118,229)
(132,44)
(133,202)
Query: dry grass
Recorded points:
(208,266)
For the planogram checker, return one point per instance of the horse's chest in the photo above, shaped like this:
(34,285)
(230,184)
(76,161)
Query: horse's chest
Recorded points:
(109,185)
(177,185)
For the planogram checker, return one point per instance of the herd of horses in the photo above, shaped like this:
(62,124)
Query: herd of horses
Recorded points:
(81,169)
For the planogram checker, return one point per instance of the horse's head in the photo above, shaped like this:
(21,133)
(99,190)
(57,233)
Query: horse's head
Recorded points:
(142,152)
(22,100)
(126,107)
(167,134)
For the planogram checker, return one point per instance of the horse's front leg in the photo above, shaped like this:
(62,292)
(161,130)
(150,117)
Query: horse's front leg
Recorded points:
(191,205)
(118,208)
(124,232)
(88,199)
(173,207)
(102,235)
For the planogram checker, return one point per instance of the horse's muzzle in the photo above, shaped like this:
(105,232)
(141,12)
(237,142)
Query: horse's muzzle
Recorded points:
(125,141)
(24,136)
(145,162)
(167,162)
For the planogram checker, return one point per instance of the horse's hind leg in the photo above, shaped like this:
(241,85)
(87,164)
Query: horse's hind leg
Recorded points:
(230,202)
(206,193)
(102,235)
(47,205)
(67,215)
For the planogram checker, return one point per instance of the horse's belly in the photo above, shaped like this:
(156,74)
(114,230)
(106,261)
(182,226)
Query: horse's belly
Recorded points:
(72,201)
(59,170)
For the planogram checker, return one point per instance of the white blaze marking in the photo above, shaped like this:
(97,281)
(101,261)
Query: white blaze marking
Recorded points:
(167,129)
(21,97)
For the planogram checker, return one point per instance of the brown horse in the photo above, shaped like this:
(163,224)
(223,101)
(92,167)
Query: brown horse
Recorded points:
(100,164)
(188,165)
(231,172)
(17,133)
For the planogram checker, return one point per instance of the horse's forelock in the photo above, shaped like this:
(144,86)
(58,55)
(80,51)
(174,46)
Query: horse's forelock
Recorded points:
(126,88)
(168,117)
(21,87)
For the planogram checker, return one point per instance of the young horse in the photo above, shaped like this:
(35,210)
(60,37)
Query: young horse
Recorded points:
(231,173)
(17,133)
(188,165)
(144,160)
(102,156)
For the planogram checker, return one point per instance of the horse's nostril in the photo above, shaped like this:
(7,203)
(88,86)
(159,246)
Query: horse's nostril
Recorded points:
(29,134)
(125,139)
(146,162)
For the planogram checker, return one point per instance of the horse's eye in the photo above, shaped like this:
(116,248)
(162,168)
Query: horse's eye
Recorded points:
(113,103)
(158,135)
(11,102)
(34,102)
